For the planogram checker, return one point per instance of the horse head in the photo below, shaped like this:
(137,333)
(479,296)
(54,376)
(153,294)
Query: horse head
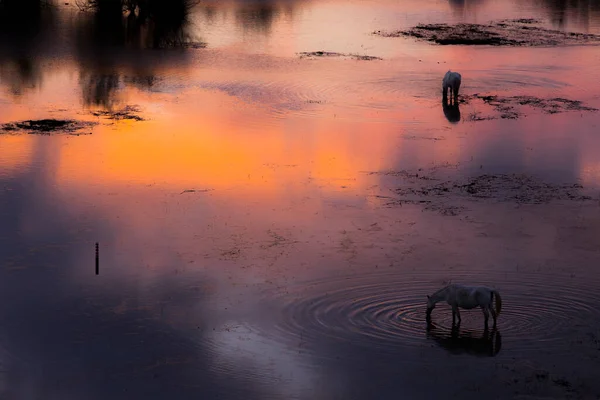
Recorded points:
(430,306)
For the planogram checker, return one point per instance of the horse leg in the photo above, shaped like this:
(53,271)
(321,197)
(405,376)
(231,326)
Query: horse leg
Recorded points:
(456,313)
(455,331)
(486,314)
(493,312)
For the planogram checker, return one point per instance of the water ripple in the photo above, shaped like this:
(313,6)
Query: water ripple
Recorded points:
(386,311)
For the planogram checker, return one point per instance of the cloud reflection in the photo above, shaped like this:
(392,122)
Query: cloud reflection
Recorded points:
(106,336)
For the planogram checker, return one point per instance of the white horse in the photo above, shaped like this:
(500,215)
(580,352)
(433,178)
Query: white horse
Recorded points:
(452,81)
(467,297)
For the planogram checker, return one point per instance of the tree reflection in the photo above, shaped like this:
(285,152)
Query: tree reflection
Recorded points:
(259,18)
(137,25)
(254,15)
(116,43)
(99,90)
(578,14)
(461,7)
(25,26)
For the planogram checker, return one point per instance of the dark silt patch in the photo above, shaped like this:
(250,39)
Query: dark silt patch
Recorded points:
(510,107)
(321,54)
(447,196)
(128,112)
(521,21)
(518,32)
(46,127)
(193,45)
(431,138)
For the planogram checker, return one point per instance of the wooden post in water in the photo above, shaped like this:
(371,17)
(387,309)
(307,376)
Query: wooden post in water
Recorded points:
(97,260)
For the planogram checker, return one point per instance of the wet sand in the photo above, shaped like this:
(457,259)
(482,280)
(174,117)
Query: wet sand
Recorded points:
(269,225)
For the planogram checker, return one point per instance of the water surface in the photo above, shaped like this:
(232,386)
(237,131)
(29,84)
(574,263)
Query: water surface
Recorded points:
(253,238)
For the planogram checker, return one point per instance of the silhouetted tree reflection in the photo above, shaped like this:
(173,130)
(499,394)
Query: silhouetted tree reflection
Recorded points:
(140,24)
(258,18)
(99,90)
(561,13)
(558,10)
(21,17)
(21,74)
(115,42)
(124,42)
(253,15)
(210,12)
(459,7)
(25,27)
(579,13)
(146,82)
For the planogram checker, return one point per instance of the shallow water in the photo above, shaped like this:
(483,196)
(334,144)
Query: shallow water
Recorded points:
(271,228)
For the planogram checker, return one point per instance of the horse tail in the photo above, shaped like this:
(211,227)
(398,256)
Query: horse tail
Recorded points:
(498,301)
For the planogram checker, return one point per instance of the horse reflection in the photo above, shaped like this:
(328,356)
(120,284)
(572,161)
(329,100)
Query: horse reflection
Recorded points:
(451,110)
(455,342)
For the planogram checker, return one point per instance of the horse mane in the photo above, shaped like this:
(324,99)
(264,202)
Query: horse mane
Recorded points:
(442,289)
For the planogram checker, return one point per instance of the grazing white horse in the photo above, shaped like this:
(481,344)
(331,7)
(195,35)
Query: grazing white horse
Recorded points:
(467,297)
(452,81)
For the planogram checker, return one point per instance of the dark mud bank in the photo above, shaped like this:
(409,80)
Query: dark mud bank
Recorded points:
(520,32)
(513,107)
(51,126)
(327,54)
(447,195)
(46,127)
(129,112)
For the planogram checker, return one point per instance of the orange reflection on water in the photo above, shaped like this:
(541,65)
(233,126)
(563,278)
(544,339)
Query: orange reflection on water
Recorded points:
(17,153)
(214,143)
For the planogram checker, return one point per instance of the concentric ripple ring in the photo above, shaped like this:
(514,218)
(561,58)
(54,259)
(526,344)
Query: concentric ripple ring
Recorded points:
(386,311)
